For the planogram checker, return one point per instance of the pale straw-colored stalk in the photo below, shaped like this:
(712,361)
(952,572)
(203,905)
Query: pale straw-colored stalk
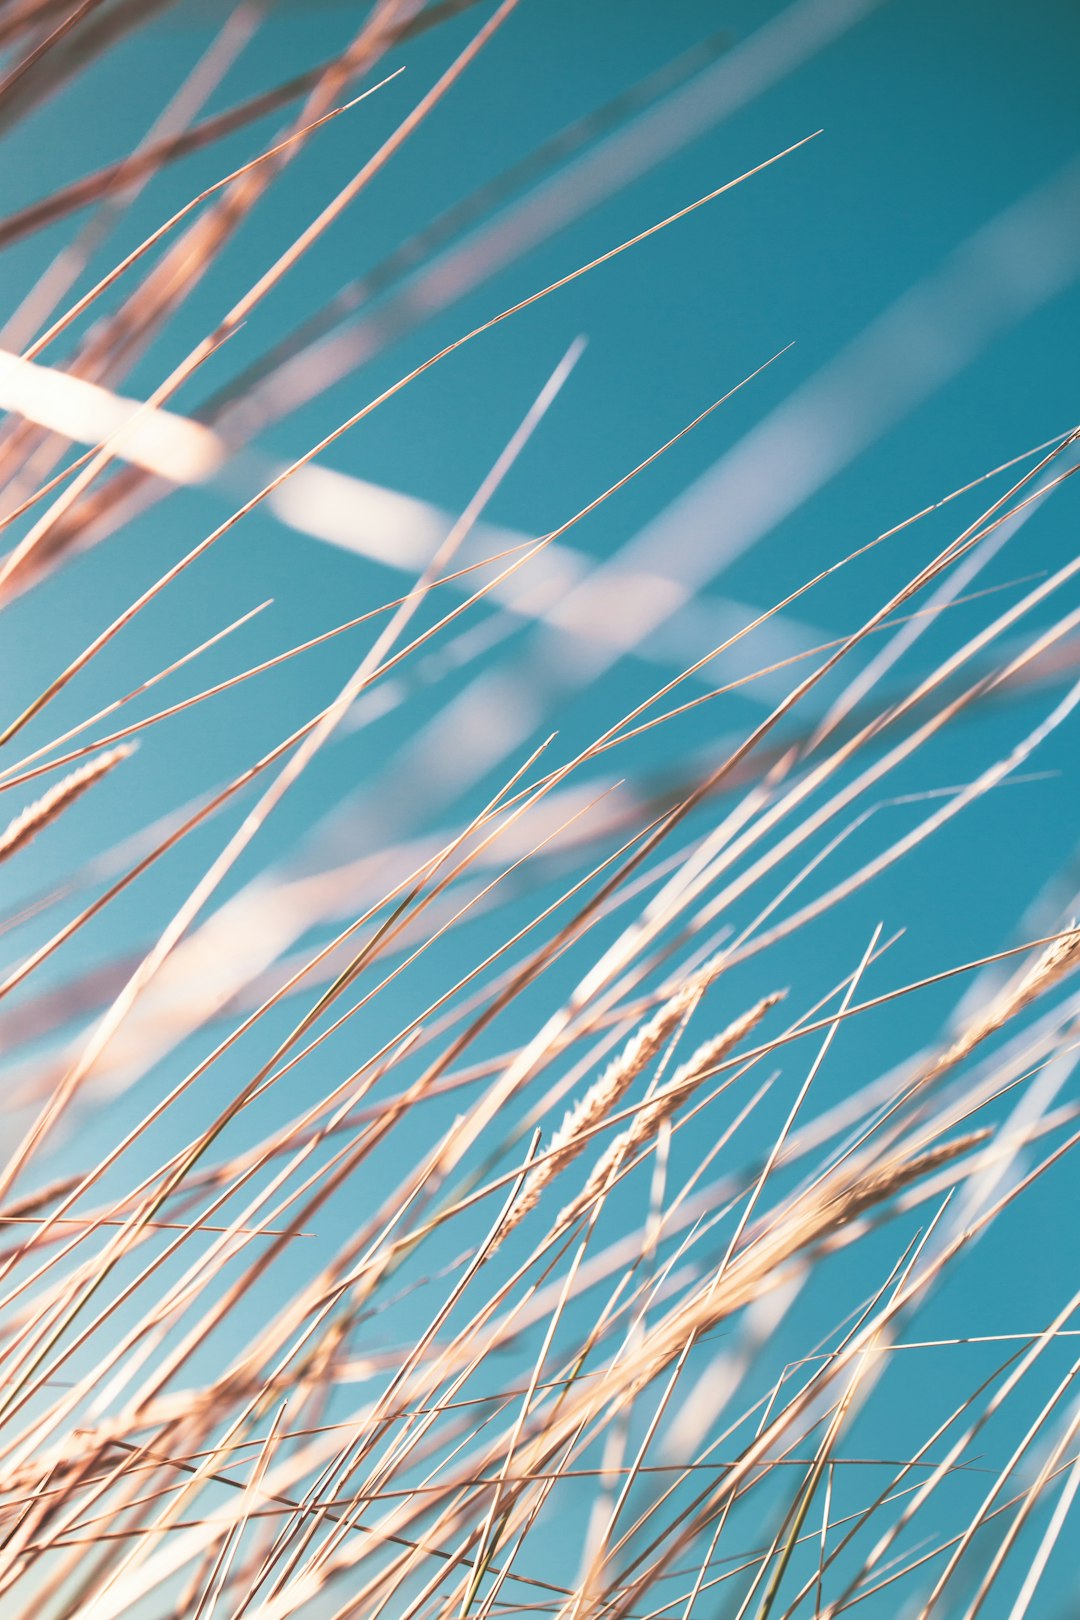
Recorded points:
(42,812)
(648,1120)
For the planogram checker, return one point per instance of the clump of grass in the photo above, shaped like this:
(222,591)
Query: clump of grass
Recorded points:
(292,1321)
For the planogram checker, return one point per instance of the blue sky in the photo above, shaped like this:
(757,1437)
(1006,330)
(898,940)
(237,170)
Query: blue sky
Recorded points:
(919,263)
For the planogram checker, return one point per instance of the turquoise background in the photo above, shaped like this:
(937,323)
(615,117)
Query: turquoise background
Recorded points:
(923,257)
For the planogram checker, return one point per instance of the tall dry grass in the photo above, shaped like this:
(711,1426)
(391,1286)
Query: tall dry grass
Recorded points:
(483,1316)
